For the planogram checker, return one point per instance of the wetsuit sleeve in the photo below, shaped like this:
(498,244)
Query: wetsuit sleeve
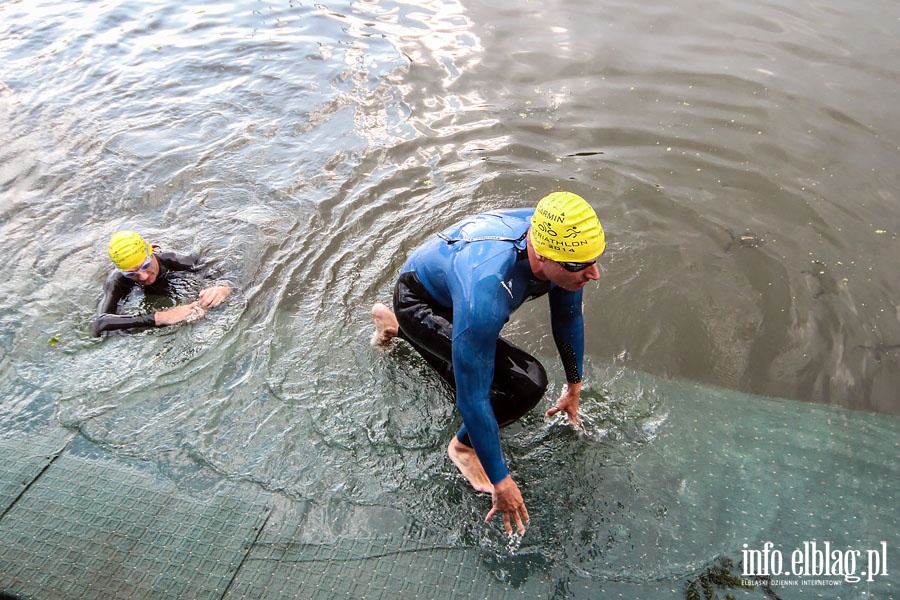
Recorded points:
(174,261)
(567,324)
(477,322)
(210,270)
(107,317)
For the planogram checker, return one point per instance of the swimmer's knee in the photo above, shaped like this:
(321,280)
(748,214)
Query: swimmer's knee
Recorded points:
(524,385)
(543,381)
(539,382)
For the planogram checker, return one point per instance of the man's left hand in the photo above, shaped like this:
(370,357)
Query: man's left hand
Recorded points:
(568,402)
(214,296)
(507,500)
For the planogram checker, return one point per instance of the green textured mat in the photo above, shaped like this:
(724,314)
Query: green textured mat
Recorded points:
(666,478)
(715,473)
(101,529)
(341,550)
(722,469)
(22,459)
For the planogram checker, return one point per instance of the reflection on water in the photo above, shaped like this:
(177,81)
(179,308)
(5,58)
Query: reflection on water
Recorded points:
(743,165)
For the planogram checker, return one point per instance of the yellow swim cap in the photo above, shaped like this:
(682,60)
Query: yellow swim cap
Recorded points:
(565,228)
(128,250)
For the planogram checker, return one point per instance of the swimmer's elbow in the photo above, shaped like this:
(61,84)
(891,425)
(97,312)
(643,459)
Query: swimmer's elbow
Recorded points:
(100,325)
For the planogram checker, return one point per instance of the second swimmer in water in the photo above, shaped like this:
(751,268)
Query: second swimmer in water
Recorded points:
(138,264)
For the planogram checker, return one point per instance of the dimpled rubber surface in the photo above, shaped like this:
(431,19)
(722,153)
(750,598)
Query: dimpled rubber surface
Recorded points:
(22,463)
(90,528)
(707,475)
(342,551)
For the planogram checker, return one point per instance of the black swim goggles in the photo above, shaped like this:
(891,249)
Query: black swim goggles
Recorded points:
(574,267)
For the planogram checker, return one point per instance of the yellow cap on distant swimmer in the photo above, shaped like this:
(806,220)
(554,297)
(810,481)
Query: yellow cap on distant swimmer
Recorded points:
(565,228)
(128,250)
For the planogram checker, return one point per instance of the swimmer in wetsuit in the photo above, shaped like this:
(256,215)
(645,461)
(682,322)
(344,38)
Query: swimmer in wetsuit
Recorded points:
(452,298)
(139,263)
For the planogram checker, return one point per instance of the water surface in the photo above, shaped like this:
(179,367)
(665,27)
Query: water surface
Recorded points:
(744,165)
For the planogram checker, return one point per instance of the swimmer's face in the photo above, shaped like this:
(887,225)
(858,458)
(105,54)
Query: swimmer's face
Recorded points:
(146,273)
(568,279)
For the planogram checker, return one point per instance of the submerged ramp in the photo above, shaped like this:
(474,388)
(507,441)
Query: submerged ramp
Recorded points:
(705,474)
(103,528)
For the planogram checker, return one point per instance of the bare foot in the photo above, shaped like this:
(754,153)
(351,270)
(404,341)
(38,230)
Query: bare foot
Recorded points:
(386,326)
(468,464)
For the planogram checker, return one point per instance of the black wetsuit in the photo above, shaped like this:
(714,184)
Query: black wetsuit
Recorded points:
(117,288)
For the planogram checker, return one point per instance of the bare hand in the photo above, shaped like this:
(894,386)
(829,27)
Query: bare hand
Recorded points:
(197,314)
(214,296)
(176,314)
(568,402)
(508,500)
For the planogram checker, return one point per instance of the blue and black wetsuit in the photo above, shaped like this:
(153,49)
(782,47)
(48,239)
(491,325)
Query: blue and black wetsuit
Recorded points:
(117,288)
(451,300)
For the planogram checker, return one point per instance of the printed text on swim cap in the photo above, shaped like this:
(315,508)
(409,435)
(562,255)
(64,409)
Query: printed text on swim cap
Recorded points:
(547,236)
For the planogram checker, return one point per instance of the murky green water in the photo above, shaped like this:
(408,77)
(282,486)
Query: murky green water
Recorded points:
(742,158)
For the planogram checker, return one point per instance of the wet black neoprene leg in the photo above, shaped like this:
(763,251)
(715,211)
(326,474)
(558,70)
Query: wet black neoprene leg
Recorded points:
(519,379)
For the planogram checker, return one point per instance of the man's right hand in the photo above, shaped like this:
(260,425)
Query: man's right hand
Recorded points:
(173,315)
(508,500)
